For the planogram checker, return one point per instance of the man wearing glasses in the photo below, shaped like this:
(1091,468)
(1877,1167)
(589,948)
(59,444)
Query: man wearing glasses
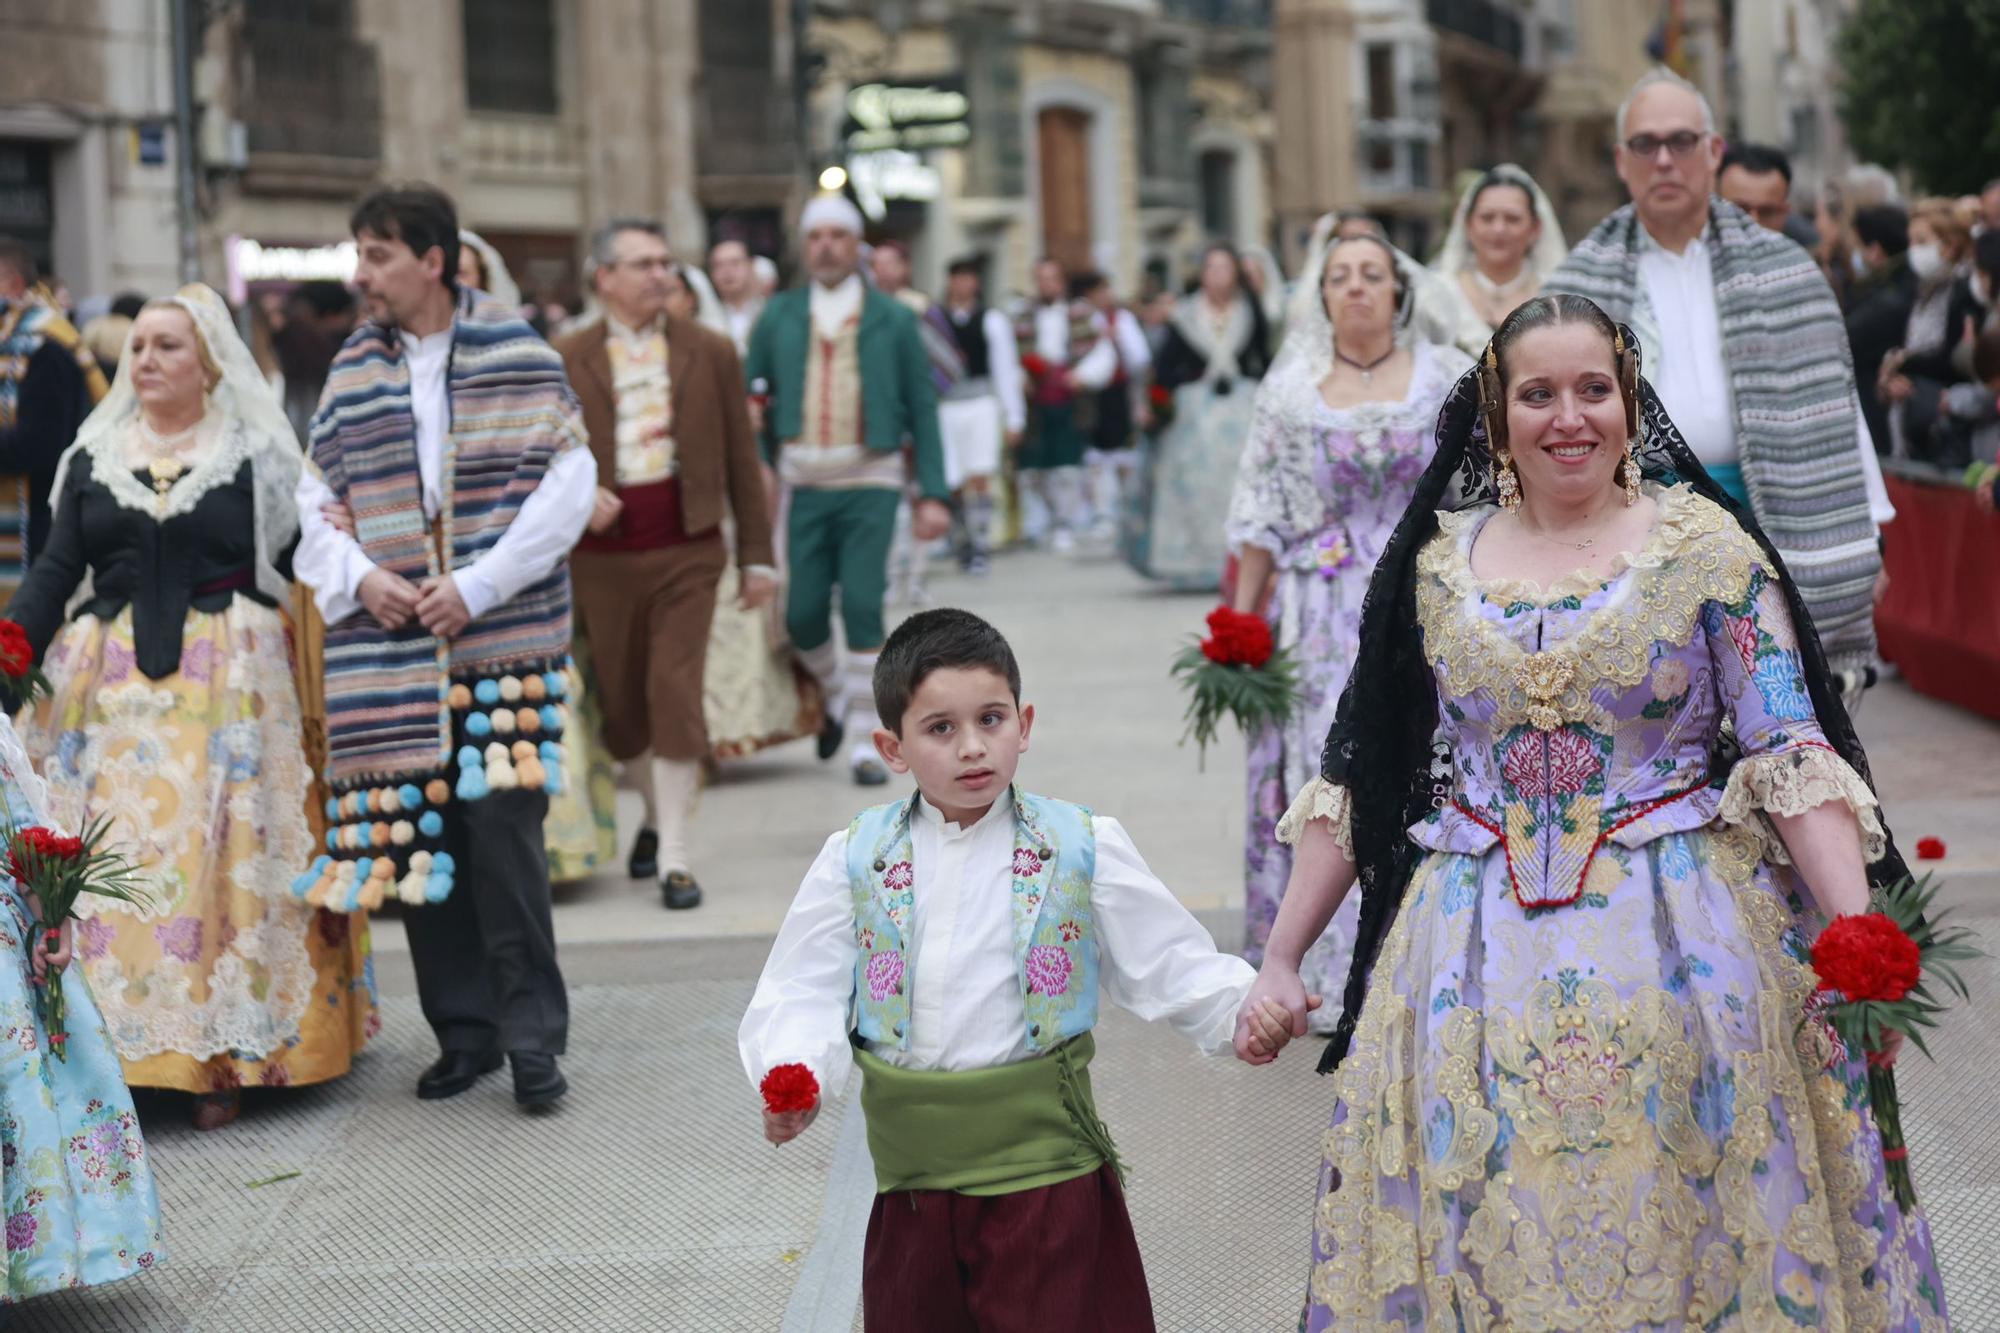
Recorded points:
(1745,343)
(669,423)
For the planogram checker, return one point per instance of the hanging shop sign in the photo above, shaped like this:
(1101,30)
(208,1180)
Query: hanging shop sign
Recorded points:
(909,116)
(252,261)
(891,174)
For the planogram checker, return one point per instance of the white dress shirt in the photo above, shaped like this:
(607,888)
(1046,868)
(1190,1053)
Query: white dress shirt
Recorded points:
(1689,372)
(739,320)
(833,306)
(551,519)
(1052,326)
(966,1012)
(1003,364)
(1136,352)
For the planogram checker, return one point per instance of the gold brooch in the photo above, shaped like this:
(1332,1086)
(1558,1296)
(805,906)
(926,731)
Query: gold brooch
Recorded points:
(165,472)
(1543,677)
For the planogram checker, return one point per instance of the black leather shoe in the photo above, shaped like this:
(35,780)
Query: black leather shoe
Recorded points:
(537,1081)
(454,1072)
(680,891)
(868,773)
(831,734)
(644,863)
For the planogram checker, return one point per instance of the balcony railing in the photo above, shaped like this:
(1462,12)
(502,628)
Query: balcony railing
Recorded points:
(310,91)
(1235,13)
(1481,20)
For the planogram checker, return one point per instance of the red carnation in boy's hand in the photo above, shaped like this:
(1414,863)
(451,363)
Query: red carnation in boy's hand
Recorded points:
(1930,849)
(1866,957)
(1034,365)
(789,1088)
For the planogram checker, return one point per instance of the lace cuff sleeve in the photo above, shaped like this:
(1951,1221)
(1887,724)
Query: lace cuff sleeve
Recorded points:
(1319,799)
(1791,782)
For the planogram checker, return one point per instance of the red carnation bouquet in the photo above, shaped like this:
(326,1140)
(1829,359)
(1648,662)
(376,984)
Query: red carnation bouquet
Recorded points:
(21,681)
(1876,970)
(1160,402)
(1236,670)
(56,870)
(789,1088)
(1036,366)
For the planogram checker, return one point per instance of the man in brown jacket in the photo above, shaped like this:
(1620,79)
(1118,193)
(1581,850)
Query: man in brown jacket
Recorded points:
(664,403)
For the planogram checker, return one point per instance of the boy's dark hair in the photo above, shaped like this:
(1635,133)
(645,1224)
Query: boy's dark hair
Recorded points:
(1081,285)
(1885,225)
(420,216)
(933,641)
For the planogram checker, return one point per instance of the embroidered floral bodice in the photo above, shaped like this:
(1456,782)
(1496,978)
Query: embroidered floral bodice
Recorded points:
(1590,712)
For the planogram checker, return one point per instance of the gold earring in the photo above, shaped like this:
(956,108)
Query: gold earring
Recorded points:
(1631,473)
(1507,482)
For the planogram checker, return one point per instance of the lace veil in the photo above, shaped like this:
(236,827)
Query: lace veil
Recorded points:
(500,284)
(1383,744)
(1544,257)
(252,426)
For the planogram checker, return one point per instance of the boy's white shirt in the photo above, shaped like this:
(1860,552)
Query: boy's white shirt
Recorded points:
(1154,958)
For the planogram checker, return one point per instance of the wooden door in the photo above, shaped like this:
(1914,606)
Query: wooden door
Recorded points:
(1065,154)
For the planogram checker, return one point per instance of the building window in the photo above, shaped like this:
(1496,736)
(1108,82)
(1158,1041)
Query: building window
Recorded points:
(1381,82)
(510,56)
(1218,193)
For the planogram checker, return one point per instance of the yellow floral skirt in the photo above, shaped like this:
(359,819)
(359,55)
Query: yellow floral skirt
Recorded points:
(221,978)
(581,830)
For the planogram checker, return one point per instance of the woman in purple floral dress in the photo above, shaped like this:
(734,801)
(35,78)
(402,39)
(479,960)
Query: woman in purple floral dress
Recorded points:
(1582,1083)
(1341,433)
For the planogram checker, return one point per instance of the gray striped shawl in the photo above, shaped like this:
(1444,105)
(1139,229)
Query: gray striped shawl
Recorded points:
(1792,378)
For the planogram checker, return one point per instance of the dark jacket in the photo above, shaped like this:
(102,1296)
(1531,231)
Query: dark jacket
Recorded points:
(1877,314)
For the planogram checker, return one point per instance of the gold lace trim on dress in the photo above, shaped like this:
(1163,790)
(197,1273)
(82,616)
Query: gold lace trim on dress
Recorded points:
(1791,782)
(1319,799)
(1696,553)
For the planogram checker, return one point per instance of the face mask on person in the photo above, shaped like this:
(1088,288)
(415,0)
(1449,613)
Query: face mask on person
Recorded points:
(1926,261)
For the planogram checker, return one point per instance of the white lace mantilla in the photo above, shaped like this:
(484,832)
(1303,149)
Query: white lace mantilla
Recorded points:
(1319,799)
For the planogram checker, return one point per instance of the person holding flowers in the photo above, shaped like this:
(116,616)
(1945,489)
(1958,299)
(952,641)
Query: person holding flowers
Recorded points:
(76,1179)
(174,715)
(1341,432)
(1593,777)
(950,944)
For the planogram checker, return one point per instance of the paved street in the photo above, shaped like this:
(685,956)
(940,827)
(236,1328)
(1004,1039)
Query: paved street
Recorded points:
(651,1202)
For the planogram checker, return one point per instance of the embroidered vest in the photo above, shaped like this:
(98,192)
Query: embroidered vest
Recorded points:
(1055,937)
(832,412)
(644,394)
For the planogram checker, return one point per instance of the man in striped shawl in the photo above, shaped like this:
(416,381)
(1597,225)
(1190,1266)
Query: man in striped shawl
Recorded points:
(1745,344)
(450,447)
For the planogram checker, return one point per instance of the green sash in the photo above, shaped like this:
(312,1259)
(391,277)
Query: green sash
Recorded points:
(985,1131)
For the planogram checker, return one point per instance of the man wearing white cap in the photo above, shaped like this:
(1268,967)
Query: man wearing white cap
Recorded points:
(847,380)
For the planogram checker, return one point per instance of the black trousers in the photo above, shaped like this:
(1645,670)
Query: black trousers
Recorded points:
(486,956)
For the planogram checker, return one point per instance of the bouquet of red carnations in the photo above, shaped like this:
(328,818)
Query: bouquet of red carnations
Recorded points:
(56,870)
(1875,973)
(21,681)
(1237,670)
(1036,366)
(1160,401)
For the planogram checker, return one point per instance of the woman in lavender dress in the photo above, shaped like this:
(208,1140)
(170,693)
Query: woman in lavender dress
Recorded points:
(1342,432)
(1581,1080)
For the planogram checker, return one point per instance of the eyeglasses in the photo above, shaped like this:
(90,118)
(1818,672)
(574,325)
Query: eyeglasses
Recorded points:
(1680,143)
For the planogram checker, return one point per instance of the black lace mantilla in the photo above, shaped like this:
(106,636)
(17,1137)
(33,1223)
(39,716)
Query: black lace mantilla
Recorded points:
(1383,746)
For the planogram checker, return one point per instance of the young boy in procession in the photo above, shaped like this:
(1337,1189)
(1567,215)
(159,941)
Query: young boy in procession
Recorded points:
(951,944)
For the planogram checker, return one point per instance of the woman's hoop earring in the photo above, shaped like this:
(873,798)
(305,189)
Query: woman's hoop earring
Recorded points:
(1508,482)
(1630,473)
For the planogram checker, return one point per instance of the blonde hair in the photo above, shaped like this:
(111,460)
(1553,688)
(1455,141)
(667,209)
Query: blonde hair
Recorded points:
(1941,215)
(210,369)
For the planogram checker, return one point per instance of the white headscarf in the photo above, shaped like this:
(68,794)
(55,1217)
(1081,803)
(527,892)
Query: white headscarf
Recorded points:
(1544,257)
(707,305)
(249,423)
(500,284)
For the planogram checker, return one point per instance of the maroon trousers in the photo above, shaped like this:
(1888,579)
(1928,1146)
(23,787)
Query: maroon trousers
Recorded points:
(1059,1259)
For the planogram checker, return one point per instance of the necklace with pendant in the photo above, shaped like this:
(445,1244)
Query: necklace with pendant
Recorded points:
(165,466)
(1367,370)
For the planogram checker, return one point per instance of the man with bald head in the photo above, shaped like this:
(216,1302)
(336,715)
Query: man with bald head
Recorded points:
(1743,340)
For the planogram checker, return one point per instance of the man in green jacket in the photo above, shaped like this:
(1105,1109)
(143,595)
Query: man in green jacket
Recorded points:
(845,382)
